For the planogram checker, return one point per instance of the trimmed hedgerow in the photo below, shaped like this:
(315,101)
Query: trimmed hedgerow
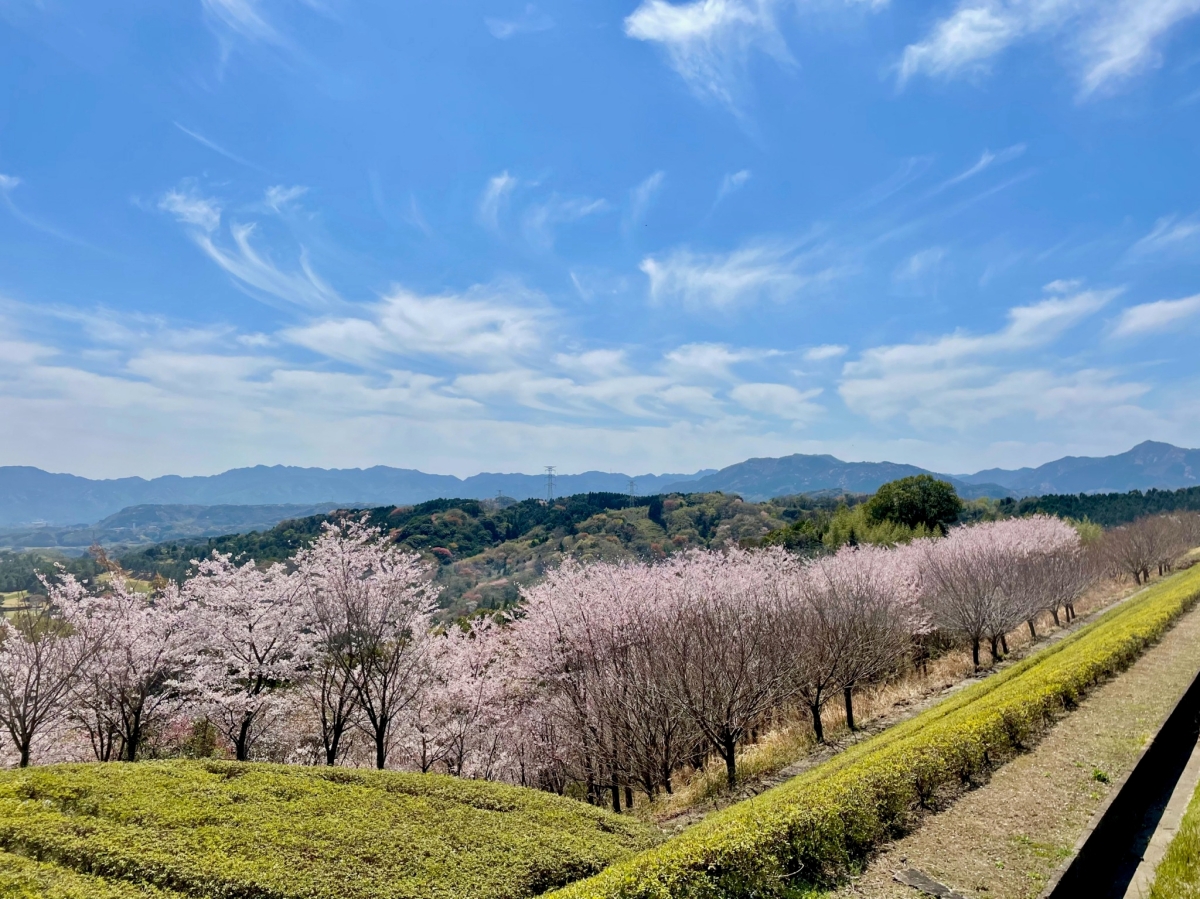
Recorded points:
(230,830)
(24,878)
(818,827)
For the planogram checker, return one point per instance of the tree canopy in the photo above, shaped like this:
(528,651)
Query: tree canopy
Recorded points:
(920,500)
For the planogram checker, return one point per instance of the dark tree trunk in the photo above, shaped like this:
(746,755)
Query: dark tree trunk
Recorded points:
(995,650)
(380,748)
(615,788)
(729,753)
(818,726)
(25,747)
(1004,643)
(1032,630)
(241,746)
(628,796)
(1054,614)
(848,692)
(975,653)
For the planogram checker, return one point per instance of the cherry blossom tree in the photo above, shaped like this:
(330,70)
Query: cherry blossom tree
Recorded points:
(44,651)
(130,684)
(854,617)
(727,662)
(977,582)
(370,602)
(249,627)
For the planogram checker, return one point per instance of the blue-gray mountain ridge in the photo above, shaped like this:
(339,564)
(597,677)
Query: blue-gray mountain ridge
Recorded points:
(30,495)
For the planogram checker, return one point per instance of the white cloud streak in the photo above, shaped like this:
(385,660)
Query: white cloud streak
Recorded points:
(825,351)
(495,199)
(486,325)
(1105,41)
(542,220)
(529,22)
(962,381)
(758,271)
(1170,235)
(1152,318)
(731,183)
(642,196)
(708,41)
(216,148)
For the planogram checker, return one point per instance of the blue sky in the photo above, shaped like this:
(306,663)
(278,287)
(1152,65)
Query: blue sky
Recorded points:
(636,235)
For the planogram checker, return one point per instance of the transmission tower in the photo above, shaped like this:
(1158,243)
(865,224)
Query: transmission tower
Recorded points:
(632,490)
(550,483)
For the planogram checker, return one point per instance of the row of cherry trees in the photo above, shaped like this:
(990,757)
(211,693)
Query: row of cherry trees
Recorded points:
(1151,543)
(608,678)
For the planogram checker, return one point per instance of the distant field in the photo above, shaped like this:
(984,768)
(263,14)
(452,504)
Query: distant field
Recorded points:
(208,829)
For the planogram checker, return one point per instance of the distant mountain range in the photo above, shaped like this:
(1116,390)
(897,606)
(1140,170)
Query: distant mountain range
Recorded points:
(30,496)
(142,525)
(762,479)
(1147,465)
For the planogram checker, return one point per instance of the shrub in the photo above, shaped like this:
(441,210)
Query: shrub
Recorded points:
(24,878)
(820,825)
(252,831)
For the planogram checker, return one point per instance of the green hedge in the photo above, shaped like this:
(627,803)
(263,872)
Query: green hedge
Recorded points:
(820,826)
(24,878)
(231,830)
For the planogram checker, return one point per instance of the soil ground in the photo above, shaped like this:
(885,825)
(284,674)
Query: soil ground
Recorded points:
(1005,839)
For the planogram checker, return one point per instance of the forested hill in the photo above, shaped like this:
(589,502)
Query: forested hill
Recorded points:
(487,550)
(1111,509)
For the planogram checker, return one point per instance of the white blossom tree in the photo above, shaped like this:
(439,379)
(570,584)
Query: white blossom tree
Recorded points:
(249,628)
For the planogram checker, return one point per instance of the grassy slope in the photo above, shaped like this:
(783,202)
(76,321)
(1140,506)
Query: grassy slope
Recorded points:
(1178,874)
(828,819)
(235,831)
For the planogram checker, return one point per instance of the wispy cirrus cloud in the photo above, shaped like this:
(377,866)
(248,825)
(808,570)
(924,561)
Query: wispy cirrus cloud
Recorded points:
(541,221)
(1171,235)
(987,160)
(964,380)
(732,183)
(760,270)
(531,20)
(825,351)
(708,42)
(242,17)
(249,266)
(1153,318)
(643,196)
(1105,41)
(217,148)
(495,198)
(190,207)
(487,324)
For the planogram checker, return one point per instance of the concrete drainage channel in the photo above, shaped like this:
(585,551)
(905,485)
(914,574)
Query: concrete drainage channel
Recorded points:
(1116,856)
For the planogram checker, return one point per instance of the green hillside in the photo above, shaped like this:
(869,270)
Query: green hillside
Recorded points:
(487,550)
(227,829)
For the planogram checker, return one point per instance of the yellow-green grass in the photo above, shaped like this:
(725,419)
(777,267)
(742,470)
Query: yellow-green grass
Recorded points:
(820,826)
(26,878)
(231,830)
(1178,874)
